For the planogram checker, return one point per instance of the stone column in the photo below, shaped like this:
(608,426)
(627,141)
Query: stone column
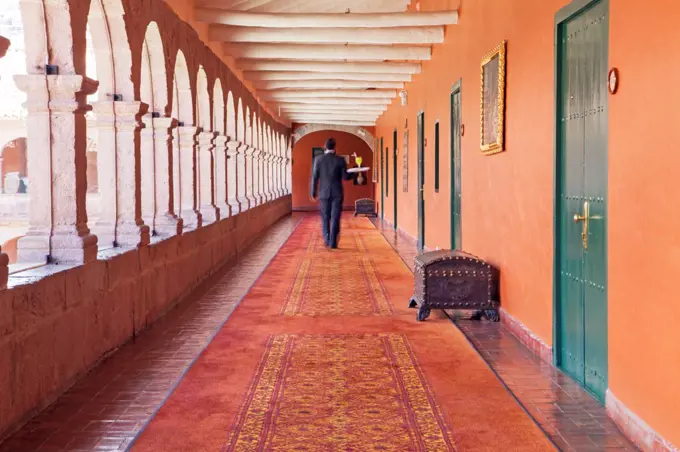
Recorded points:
(250,174)
(166,221)
(289,175)
(232,177)
(286,164)
(130,228)
(241,179)
(4,259)
(147,163)
(209,211)
(221,198)
(257,177)
(188,181)
(277,176)
(105,226)
(58,167)
(269,165)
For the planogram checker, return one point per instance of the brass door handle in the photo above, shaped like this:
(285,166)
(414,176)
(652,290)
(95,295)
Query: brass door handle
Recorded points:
(585,219)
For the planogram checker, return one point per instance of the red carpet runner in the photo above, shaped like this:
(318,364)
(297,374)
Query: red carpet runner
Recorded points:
(324,355)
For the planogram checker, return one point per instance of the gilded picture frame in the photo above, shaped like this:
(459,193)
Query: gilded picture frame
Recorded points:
(492,101)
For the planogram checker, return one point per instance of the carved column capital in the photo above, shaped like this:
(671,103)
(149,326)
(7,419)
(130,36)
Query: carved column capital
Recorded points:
(249,151)
(187,132)
(205,139)
(221,141)
(55,93)
(233,148)
(128,114)
(164,124)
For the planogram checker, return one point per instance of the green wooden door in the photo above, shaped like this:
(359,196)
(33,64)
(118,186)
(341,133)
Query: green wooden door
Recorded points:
(387,172)
(382,181)
(421,180)
(581,201)
(394,178)
(456,120)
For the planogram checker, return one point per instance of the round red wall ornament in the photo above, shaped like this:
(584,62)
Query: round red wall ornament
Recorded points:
(613,80)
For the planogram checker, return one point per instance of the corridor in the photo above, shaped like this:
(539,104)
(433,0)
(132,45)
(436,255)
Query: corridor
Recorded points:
(163,285)
(301,348)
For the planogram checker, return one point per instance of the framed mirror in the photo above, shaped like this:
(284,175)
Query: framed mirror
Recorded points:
(493,101)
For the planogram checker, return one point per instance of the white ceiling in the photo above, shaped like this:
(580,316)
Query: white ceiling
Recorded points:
(307,6)
(325,61)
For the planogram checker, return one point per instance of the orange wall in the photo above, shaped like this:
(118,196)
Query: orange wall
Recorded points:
(644,211)
(507,204)
(302,166)
(507,198)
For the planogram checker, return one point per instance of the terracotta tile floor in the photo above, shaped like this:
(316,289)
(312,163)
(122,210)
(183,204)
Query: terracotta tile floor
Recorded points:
(573,419)
(110,405)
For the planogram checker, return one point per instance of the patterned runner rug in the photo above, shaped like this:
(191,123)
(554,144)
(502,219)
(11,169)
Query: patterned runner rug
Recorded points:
(324,355)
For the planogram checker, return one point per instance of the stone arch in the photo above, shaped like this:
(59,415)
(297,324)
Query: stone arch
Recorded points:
(360,132)
(11,65)
(203,119)
(231,117)
(249,128)
(240,123)
(154,85)
(181,93)
(218,108)
(106,25)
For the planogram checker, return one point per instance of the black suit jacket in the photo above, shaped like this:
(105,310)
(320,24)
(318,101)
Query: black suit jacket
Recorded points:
(328,171)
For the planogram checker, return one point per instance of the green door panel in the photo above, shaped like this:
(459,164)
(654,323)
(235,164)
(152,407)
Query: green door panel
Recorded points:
(421,180)
(581,276)
(456,171)
(394,179)
(382,181)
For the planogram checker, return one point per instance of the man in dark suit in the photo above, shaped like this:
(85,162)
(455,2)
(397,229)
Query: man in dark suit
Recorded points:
(328,172)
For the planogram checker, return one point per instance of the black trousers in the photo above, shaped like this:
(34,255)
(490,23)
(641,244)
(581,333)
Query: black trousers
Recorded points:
(331,209)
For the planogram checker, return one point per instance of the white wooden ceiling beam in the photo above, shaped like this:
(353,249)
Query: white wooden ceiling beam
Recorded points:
(256,76)
(326,84)
(313,94)
(401,35)
(295,108)
(351,20)
(327,52)
(332,101)
(337,123)
(306,118)
(330,67)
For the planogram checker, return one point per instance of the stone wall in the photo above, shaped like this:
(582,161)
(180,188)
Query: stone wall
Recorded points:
(56,324)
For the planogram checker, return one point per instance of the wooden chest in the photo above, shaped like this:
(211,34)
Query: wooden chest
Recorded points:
(364,206)
(448,279)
